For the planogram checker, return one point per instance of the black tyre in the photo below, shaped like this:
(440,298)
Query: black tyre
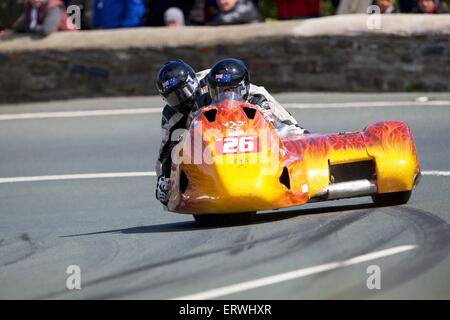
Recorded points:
(391,199)
(224,219)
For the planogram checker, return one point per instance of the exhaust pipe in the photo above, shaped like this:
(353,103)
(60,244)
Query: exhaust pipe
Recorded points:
(417,179)
(349,189)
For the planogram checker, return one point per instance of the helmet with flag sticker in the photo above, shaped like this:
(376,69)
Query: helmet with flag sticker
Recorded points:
(228,76)
(177,84)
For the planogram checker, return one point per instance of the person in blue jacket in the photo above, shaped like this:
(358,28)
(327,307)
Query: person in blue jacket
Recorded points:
(109,14)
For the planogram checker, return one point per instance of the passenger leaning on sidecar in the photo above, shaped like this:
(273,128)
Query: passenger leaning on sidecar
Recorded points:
(184,92)
(232,75)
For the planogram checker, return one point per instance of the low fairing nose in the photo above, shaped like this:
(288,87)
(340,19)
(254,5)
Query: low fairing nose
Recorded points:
(231,162)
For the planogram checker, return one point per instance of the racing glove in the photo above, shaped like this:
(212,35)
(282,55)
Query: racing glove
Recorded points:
(162,189)
(267,112)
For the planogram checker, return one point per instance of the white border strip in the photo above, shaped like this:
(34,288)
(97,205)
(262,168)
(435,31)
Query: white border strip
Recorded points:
(116,112)
(296,274)
(78,176)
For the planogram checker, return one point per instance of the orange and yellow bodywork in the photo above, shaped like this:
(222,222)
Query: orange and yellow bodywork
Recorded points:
(232,160)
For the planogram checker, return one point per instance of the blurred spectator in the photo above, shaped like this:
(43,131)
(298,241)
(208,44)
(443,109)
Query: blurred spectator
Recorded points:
(157,8)
(197,13)
(108,14)
(235,12)
(174,17)
(386,6)
(211,10)
(42,17)
(407,6)
(430,6)
(295,9)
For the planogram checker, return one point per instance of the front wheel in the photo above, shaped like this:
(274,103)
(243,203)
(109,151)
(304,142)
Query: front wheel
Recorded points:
(224,219)
(391,199)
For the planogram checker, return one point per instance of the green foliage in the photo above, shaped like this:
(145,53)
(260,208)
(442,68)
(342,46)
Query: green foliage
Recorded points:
(326,8)
(411,88)
(268,8)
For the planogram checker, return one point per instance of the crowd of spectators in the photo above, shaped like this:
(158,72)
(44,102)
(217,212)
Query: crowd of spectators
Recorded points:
(45,16)
(408,6)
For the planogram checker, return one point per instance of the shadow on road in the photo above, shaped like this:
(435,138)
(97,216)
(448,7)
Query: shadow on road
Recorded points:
(258,219)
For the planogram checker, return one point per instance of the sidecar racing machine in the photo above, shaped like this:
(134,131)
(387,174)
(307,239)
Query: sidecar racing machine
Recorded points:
(232,162)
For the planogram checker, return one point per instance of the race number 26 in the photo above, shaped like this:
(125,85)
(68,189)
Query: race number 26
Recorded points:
(237,144)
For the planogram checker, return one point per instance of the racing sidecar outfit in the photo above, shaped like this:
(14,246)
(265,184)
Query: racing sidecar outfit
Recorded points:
(172,120)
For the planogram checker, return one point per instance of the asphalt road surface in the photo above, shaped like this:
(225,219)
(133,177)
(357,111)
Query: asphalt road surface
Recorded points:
(126,246)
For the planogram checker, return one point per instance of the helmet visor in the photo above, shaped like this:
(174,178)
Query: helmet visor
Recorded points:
(228,93)
(180,96)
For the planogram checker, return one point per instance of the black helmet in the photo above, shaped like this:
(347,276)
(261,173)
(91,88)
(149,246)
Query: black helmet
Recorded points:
(228,75)
(177,84)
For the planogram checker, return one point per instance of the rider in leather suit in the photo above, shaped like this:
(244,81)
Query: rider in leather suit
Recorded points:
(184,92)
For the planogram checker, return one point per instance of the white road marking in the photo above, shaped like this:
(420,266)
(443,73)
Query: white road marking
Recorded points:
(126,175)
(81,113)
(79,176)
(436,173)
(296,274)
(366,104)
(115,112)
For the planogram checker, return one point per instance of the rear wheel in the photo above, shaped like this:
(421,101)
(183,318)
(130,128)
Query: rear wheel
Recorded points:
(391,199)
(225,219)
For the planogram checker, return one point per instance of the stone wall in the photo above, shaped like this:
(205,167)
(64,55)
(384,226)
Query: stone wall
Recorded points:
(410,52)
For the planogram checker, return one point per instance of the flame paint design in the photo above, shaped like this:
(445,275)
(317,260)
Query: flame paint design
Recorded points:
(241,185)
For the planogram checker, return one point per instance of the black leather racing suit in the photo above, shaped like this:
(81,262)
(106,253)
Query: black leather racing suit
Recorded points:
(173,120)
